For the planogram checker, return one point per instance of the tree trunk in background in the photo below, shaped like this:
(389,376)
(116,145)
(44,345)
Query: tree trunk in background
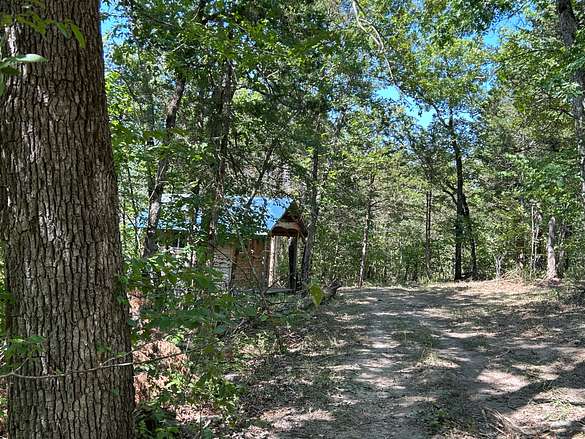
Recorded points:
(562,259)
(428,225)
(366,235)
(472,243)
(314,217)
(498,264)
(459,220)
(293,246)
(193,230)
(260,179)
(568,28)
(157,184)
(551,261)
(335,257)
(273,261)
(535,234)
(219,129)
(63,251)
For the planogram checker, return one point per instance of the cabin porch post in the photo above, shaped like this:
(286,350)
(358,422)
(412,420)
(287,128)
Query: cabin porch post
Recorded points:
(293,246)
(272,261)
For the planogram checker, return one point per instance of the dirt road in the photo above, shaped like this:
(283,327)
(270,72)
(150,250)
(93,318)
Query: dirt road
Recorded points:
(475,360)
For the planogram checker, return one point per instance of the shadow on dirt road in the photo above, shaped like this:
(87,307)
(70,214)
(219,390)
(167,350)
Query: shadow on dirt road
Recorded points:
(474,360)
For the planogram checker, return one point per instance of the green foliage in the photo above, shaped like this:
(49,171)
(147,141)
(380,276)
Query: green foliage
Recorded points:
(152,422)
(19,349)
(316,293)
(198,322)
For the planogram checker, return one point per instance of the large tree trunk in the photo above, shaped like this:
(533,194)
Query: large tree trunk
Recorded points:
(157,184)
(314,217)
(459,219)
(366,234)
(63,252)
(551,260)
(568,27)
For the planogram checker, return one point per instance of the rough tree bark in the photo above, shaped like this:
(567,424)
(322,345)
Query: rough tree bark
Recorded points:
(551,260)
(63,252)
(156,185)
(568,27)
(366,234)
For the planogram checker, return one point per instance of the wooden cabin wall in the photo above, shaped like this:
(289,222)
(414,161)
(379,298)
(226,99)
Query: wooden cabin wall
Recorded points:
(251,268)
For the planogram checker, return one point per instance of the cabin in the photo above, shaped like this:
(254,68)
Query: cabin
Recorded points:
(257,249)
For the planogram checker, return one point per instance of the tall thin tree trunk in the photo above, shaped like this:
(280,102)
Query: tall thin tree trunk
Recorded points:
(63,250)
(551,261)
(535,235)
(562,259)
(314,217)
(471,236)
(428,225)
(366,234)
(293,245)
(219,129)
(193,230)
(498,263)
(333,270)
(459,220)
(260,179)
(273,261)
(568,28)
(157,184)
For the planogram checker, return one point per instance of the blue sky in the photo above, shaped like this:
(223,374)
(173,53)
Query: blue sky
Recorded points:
(109,23)
(418,112)
(411,108)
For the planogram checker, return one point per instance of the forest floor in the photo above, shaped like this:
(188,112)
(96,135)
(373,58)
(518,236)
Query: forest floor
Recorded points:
(475,360)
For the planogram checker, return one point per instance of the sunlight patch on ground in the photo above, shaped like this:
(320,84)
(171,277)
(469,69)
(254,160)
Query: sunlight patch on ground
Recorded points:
(455,360)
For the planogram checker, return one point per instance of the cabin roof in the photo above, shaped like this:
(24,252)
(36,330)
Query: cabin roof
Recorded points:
(272,214)
(274,209)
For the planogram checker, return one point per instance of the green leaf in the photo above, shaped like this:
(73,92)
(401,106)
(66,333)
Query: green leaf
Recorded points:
(316,293)
(65,30)
(5,19)
(30,58)
(36,339)
(78,35)
(9,71)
